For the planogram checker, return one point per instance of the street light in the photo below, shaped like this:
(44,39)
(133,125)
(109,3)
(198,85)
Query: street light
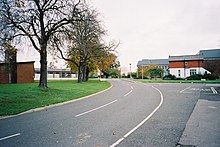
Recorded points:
(130,70)
(142,71)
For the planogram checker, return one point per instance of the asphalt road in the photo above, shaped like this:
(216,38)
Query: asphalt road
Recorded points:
(128,115)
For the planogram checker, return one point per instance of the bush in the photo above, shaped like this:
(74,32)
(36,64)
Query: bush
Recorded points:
(169,77)
(199,77)
(194,77)
(209,77)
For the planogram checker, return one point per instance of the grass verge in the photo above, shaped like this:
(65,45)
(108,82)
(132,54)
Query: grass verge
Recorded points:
(17,98)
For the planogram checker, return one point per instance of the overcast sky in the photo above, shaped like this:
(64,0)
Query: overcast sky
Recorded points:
(155,29)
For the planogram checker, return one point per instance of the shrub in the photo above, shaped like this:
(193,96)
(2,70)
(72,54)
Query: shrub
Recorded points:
(209,77)
(169,77)
(194,77)
(199,77)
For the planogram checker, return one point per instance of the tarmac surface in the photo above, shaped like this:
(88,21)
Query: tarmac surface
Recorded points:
(130,114)
(203,127)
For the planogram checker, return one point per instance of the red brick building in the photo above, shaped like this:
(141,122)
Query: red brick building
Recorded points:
(206,61)
(22,72)
(187,65)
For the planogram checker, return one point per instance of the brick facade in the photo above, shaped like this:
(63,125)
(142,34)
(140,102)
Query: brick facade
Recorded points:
(185,64)
(25,73)
(4,76)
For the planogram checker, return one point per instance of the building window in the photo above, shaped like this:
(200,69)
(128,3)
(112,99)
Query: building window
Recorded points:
(192,72)
(179,73)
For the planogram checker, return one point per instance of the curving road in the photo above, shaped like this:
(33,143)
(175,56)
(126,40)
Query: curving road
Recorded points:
(129,114)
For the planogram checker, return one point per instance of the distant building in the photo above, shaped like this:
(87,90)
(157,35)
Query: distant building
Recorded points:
(56,74)
(160,63)
(211,61)
(187,65)
(206,61)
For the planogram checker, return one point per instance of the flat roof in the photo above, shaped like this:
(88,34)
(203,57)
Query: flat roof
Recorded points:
(210,53)
(146,62)
(55,69)
(20,62)
(185,58)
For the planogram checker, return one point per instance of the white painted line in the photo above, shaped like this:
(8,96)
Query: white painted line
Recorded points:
(140,124)
(7,137)
(185,89)
(128,93)
(96,108)
(132,87)
(213,90)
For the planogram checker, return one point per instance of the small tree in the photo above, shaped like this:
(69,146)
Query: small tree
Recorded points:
(155,72)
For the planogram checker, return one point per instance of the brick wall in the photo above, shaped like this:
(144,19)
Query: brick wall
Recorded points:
(213,66)
(25,72)
(181,64)
(4,77)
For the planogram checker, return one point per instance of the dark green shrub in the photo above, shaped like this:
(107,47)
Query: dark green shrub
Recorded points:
(194,77)
(169,77)
(208,77)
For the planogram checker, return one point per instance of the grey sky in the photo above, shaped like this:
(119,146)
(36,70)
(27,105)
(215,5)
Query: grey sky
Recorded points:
(155,28)
(159,28)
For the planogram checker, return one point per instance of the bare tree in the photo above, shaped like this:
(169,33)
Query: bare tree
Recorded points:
(39,21)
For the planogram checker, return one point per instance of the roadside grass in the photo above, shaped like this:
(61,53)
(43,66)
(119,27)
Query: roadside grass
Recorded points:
(177,81)
(17,98)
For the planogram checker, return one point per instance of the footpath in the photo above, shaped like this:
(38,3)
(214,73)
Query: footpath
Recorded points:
(203,126)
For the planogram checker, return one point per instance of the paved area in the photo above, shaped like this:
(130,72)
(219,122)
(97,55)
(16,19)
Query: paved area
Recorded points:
(129,114)
(203,127)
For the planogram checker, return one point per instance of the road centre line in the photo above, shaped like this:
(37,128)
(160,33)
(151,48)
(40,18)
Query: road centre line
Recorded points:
(7,137)
(185,89)
(213,90)
(141,123)
(128,93)
(95,108)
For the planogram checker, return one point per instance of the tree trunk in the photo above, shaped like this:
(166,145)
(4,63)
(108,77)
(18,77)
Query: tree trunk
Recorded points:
(87,74)
(43,68)
(80,73)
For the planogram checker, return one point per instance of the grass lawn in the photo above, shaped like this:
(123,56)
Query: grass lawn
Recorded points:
(17,98)
(178,81)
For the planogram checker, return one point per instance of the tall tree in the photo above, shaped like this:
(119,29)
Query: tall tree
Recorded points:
(39,21)
(85,44)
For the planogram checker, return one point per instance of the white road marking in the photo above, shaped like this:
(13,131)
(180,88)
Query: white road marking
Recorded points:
(140,124)
(7,137)
(185,89)
(128,93)
(96,108)
(213,90)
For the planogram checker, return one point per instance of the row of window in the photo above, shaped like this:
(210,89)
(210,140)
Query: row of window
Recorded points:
(191,72)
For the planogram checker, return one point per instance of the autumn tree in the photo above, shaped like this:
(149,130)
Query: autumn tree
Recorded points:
(155,72)
(151,70)
(108,64)
(39,21)
(84,48)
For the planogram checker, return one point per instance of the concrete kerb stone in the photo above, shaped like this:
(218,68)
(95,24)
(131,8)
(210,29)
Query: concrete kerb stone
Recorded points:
(55,105)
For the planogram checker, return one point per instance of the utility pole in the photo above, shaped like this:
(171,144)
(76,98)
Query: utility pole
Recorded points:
(130,70)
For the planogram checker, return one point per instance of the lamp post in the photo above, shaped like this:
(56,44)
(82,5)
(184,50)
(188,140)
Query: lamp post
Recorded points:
(142,71)
(130,70)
